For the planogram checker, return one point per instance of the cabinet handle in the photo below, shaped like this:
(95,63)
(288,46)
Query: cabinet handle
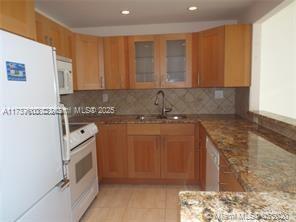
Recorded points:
(102,85)
(46,40)
(198,78)
(50,40)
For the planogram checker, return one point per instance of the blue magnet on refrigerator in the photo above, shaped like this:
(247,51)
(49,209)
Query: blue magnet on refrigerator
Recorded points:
(15,71)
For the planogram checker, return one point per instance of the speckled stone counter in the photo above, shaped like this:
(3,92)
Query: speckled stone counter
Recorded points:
(227,206)
(260,159)
(117,119)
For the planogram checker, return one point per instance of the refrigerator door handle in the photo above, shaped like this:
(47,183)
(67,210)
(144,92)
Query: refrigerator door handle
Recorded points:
(67,136)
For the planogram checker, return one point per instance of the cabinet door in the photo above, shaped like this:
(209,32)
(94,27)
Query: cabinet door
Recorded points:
(202,157)
(112,151)
(55,35)
(176,60)
(67,43)
(177,157)
(88,54)
(115,62)
(144,157)
(18,16)
(144,62)
(227,180)
(211,65)
(42,30)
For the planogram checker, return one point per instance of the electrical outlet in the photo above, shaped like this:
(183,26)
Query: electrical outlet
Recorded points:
(105,98)
(219,94)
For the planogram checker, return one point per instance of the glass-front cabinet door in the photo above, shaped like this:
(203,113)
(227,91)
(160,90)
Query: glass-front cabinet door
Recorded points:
(144,62)
(176,60)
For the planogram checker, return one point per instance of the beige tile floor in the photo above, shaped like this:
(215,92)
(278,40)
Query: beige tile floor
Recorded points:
(136,203)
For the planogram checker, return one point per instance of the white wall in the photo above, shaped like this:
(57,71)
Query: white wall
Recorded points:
(274,62)
(152,28)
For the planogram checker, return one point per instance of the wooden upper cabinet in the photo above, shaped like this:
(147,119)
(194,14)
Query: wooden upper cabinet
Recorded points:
(55,35)
(144,62)
(144,157)
(116,62)
(177,157)
(112,151)
(67,45)
(88,61)
(18,16)
(212,58)
(176,60)
(224,58)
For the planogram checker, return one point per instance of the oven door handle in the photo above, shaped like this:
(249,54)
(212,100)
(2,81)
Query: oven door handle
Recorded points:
(82,146)
(67,148)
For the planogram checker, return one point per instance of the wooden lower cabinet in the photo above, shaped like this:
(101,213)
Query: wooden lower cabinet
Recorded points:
(147,153)
(177,157)
(144,157)
(227,180)
(112,151)
(202,157)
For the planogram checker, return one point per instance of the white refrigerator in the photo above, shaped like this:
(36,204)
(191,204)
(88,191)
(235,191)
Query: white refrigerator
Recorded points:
(33,182)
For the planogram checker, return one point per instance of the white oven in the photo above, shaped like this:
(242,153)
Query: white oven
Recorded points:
(82,167)
(65,75)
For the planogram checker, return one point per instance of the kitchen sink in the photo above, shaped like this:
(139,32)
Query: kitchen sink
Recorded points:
(159,117)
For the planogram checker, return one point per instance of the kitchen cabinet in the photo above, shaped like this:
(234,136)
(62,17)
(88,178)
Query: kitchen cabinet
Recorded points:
(202,157)
(112,151)
(67,43)
(224,58)
(88,62)
(177,157)
(55,35)
(116,62)
(144,62)
(18,16)
(176,60)
(144,157)
(227,180)
(162,151)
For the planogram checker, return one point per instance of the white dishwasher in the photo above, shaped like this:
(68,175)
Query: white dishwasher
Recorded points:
(212,167)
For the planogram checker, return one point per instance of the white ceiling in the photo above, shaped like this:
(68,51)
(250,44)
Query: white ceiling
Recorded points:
(91,13)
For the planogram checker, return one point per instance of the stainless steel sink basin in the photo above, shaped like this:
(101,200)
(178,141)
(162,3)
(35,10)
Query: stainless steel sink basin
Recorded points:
(148,117)
(176,117)
(158,117)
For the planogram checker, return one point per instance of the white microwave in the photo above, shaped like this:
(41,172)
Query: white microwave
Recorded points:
(65,75)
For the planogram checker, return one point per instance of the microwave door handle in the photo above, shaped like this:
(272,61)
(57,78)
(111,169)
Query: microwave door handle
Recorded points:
(67,148)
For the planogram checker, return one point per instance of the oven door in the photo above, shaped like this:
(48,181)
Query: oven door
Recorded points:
(82,168)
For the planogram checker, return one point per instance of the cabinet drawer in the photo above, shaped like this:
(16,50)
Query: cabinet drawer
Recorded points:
(177,129)
(143,129)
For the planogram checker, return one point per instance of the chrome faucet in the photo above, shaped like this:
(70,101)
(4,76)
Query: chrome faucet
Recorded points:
(164,109)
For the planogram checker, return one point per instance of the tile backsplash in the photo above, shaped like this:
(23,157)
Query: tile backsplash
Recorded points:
(131,102)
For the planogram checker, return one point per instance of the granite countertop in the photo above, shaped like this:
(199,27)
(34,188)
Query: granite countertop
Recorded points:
(263,162)
(118,119)
(260,159)
(228,206)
